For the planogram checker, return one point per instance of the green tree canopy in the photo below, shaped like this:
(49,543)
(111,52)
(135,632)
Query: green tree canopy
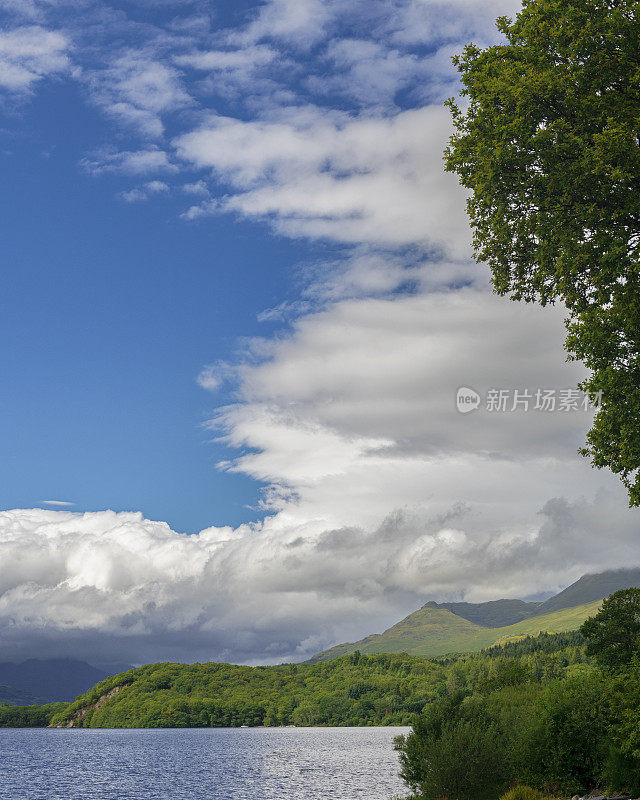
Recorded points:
(613,635)
(547,141)
(456,749)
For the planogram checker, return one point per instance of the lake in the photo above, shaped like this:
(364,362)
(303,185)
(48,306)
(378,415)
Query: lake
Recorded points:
(200,764)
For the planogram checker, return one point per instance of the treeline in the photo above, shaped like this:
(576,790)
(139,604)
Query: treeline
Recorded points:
(29,716)
(386,689)
(558,735)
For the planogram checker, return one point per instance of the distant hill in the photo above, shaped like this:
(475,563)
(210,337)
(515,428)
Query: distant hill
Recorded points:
(590,588)
(433,631)
(495,613)
(498,613)
(16,697)
(385,689)
(49,680)
(439,628)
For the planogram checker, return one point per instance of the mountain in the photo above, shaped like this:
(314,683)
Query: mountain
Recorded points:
(432,631)
(590,588)
(16,697)
(498,613)
(440,628)
(50,680)
(493,614)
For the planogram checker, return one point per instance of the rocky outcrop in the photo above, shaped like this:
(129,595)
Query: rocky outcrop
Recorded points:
(75,721)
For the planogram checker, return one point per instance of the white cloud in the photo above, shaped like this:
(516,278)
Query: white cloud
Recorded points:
(29,54)
(130,162)
(379,373)
(245,60)
(298,22)
(379,495)
(333,176)
(370,72)
(138,90)
(209,378)
(107,585)
(205,209)
(144,192)
(370,272)
(198,188)
(426,22)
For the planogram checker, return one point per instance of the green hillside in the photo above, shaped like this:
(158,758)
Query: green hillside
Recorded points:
(499,613)
(384,689)
(432,631)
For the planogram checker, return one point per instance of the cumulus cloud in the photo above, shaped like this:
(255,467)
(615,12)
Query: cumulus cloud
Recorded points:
(378,494)
(210,378)
(29,54)
(353,414)
(433,21)
(370,72)
(107,585)
(197,189)
(338,177)
(299,22)
(244,61)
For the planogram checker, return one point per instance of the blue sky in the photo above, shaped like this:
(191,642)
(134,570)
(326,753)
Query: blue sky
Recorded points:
(238,299)
(111,308)
(110,311)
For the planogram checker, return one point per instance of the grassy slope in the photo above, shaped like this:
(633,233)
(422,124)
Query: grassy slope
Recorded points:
(432,632)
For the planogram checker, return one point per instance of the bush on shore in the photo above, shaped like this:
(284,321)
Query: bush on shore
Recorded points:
(565,736)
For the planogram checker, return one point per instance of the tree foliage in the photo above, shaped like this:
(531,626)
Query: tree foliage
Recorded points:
(29,716)
(568,742)
(613,634)
(546,140)
(385,689)
(457,749)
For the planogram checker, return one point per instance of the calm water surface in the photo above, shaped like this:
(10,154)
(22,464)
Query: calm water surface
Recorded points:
(208,764)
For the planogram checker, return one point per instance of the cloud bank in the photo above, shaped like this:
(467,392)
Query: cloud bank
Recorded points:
(380,495)
(319,119)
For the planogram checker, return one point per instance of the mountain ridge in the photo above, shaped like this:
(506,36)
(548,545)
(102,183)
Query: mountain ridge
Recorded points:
(590,587)
(48,680)
(441,628)
(16,697)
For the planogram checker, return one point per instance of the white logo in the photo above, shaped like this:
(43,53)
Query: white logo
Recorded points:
(467,400)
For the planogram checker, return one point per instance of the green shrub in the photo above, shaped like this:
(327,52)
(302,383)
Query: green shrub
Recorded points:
(456,750)
(622,771)
(567,744)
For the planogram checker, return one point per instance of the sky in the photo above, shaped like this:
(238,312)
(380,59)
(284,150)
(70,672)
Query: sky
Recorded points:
(238,300)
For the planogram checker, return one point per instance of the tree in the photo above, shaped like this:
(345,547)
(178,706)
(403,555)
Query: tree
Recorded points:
(456,750)
(613,634)
(568,743)
(548,145)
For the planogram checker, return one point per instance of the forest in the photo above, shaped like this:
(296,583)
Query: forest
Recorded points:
(386,689)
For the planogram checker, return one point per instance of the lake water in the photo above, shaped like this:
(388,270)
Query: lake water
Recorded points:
(200,764)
